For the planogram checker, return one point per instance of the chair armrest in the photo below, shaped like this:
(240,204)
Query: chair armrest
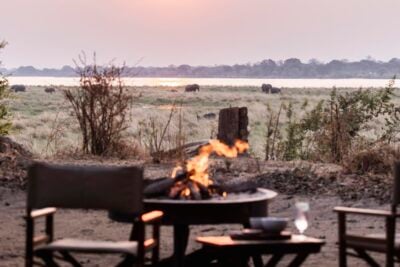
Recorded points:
(368,212)
(42,212)
(152,216)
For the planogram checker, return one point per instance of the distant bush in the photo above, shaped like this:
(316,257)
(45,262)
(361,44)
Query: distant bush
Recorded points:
(331,131)
(159,136)
(100,105)
(377,159)
(5,124)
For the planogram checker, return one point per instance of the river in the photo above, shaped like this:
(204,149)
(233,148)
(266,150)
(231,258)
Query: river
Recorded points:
(137,81)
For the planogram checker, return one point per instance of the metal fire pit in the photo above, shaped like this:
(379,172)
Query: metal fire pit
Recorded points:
(182,213)
(213,211)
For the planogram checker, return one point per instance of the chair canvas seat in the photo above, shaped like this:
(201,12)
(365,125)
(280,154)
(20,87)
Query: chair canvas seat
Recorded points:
(373,242)
(90,246)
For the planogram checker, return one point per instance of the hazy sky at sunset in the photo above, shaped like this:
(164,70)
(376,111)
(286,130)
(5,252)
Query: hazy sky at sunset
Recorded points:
(49,33)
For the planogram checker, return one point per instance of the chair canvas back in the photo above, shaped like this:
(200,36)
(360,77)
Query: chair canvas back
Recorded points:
(396,185)
(118,189)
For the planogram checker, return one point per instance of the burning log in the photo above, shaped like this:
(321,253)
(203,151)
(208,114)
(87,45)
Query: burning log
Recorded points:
(204,191)
(176,191)
(194,190)
(162,185)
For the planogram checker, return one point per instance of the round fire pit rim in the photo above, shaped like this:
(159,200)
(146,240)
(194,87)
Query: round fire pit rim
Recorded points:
(267,195)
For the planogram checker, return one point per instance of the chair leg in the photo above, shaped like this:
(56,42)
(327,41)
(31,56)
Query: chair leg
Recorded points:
(29,243)
(342,240)
(364,255)
(390,239)
(68,257)
(47,257)
(128,261)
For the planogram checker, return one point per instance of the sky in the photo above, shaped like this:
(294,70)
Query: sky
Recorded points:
(51,33)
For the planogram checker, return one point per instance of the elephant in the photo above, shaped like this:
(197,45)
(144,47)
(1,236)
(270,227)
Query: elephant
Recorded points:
(18,88)
(266,88)
(192,87)
(275,90)
(269,89)
(50,90)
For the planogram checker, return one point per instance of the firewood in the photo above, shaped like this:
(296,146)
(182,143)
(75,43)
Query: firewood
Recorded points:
(182,175)
(159,188)
(205,194)
(194,190)
(239,187)
(176,190)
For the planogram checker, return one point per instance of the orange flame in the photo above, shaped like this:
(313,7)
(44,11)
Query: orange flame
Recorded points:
(197,166)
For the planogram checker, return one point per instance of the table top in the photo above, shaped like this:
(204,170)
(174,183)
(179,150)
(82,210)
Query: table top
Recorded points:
(226,241)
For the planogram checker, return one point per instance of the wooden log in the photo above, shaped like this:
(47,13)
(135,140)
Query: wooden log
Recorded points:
(161,186)
(194,191)
(176,190)
(239,187)
(232,125)
(243,123)
(205,194)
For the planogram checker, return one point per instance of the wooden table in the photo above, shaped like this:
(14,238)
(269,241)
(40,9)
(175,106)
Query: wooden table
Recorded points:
(230,252)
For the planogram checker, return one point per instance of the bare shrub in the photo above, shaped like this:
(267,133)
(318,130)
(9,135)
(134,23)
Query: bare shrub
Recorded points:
(164,137)
(273,132)
(100,105)
(377,159)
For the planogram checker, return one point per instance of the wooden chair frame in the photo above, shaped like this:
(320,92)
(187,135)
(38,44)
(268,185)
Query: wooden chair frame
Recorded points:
(138,234)
(139,222)
(390,229)
(390,217)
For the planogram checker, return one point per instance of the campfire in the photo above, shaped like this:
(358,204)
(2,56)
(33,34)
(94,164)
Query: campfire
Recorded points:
(192,181)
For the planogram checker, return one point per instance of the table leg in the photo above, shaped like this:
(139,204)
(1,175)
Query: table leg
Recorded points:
(181,236)
(227,260)
(273,261)
(257,259)
(298,260)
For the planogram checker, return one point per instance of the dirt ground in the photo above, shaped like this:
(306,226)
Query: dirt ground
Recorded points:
(96,225)
(319,189)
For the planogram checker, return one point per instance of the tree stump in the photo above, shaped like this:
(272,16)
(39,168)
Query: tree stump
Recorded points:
(232,125)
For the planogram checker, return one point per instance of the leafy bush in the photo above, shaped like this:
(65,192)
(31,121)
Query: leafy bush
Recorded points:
(336,124)
(331,131)
(100,105)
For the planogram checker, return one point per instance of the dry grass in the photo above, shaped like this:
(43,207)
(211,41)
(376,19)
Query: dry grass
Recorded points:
(42,121)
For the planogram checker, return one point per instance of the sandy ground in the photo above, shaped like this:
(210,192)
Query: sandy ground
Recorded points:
(96,225)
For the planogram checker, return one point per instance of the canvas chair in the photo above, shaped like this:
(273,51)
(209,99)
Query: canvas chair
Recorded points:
(384,243)
(115,189)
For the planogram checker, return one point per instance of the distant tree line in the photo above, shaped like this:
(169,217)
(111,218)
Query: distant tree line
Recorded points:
(290,68)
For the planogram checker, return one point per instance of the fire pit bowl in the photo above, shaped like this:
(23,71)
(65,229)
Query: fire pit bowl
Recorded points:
(235,208)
